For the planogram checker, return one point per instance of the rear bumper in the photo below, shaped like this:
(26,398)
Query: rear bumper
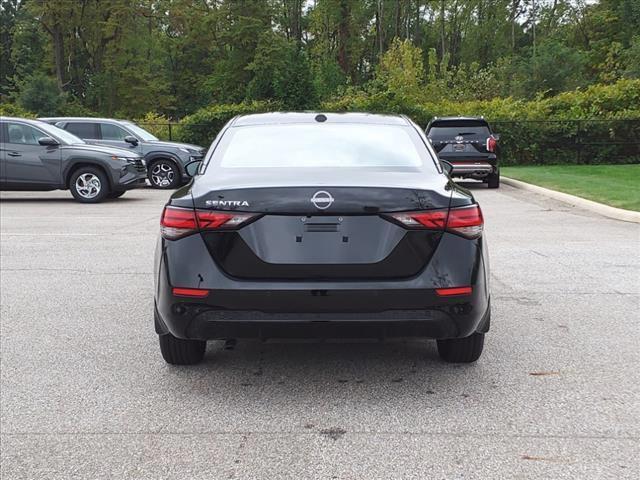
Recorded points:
(436,323)
(477,170)
(364,309)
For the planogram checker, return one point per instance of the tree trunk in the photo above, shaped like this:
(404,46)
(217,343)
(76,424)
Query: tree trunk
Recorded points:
(442,26)
(343,37)
(58,55)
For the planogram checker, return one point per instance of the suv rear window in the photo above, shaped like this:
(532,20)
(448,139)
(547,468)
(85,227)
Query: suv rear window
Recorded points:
(471,129)
(82,130)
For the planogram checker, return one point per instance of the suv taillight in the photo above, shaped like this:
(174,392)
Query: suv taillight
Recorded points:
(465,221)
(492,144)
(179,222)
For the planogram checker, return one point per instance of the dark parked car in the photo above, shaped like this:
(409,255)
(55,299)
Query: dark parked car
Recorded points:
(469,145)
(165,160)
(336,225)
(37,156)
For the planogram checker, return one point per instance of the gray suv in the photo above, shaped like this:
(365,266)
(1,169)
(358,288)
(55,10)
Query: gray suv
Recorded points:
(37,156)
(165,160)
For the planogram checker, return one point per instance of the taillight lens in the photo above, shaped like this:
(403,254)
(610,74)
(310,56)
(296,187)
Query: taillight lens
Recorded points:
(465,221)
(179,222)
(434,219)
(492,144)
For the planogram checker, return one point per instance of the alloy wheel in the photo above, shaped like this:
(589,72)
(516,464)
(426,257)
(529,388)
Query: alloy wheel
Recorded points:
(88,185)
(162,174)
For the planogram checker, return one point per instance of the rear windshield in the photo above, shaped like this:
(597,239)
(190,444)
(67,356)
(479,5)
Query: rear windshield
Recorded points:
(464,128)
(321,145)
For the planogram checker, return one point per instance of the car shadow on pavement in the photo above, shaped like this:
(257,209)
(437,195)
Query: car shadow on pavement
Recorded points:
(318,369)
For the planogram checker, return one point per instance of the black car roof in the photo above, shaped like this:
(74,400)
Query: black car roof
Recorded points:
(313,117)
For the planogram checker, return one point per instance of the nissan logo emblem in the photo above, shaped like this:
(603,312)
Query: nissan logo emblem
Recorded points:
(322,199)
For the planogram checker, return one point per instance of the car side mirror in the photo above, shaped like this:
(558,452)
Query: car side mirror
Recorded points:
(48,142)
(131,139)
(192,168)
(446,166)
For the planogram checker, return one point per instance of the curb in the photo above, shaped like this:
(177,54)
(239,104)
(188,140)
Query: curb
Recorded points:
(605,210)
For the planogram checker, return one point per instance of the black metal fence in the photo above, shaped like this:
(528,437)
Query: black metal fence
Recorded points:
(523,142)
(569,141)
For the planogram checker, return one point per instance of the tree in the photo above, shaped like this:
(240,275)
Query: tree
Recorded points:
(39,94)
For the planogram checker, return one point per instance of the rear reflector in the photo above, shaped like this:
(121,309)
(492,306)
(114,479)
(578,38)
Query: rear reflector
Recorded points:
(179,222)
(453,291)
(465,221)
(190,292)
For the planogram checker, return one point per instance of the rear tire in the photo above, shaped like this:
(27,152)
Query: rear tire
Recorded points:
(493,180)
(178,351)
(461,350)
(89,185)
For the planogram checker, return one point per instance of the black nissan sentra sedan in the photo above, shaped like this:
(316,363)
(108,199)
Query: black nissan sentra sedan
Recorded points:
(321,225)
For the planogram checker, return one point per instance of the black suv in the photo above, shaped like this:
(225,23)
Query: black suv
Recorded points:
(37,156)
(469,145)
(165,160)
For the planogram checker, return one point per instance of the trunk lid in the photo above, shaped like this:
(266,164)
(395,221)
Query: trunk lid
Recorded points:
(322,232)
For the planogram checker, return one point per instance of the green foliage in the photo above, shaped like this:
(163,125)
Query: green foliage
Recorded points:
(202,126)
(72,107)
(631,59)
(401,72)
(40,94)
(528,128)
(12,110)
(510,60)
(158,125)
(280,72)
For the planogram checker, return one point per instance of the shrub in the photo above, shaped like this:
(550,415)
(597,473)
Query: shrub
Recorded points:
(543,130)
(13,110)
(40,94)
(202,126)
(158,125)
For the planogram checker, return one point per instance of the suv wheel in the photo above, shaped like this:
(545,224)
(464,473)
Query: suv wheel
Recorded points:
(461,350)
(178,351)
(493,180)
(89,185)
(164,174)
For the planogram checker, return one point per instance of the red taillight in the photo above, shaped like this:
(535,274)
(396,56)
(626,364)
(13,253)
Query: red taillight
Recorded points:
(492,144)
(434,219)
(453,291)
(465,221)
(179,222)
(190,292)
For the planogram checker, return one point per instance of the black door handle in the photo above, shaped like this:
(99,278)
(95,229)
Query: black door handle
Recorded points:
(14,154)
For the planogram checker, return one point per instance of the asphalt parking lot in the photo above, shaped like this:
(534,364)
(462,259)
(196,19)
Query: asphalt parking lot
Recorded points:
(86,394)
